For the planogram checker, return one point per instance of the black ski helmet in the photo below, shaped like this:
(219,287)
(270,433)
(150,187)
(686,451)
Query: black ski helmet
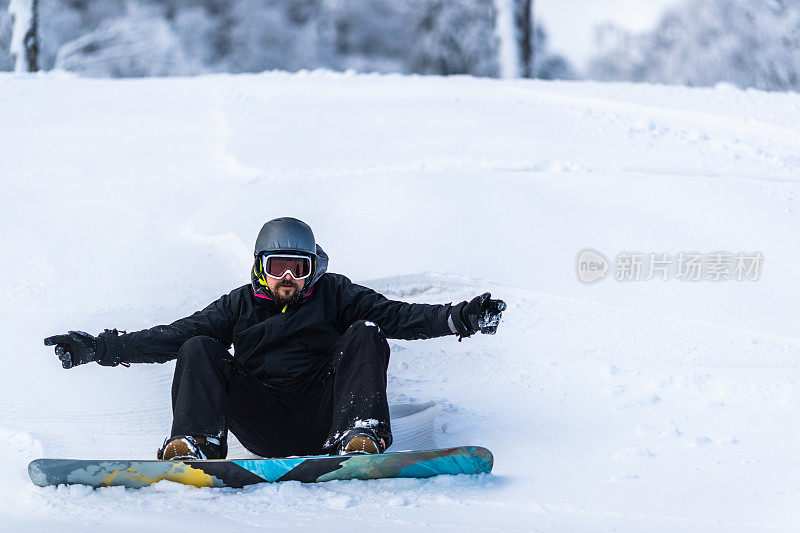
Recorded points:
(286,234)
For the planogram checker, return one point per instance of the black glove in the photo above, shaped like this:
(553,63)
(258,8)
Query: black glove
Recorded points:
(482,314)
(75,348)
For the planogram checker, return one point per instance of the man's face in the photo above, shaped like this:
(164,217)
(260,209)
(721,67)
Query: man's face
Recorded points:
(285,288)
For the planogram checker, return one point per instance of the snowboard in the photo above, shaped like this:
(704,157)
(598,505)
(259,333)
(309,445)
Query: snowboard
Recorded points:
(242,472)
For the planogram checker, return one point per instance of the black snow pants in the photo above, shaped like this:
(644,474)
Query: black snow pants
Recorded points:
(211,395)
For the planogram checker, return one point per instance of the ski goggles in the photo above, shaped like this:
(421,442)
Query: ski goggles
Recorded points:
(276,265)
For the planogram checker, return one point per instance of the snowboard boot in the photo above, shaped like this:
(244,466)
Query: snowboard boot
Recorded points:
(189,448)
(361,441)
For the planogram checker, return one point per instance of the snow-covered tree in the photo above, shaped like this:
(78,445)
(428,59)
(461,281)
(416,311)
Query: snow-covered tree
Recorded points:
(60,22)
(136,45)
(367,35)
(546,64)
(171,37)
(30,40)
(454,38)
(523,44)
(749,43)
(6,30)
(526,41)
(24,44)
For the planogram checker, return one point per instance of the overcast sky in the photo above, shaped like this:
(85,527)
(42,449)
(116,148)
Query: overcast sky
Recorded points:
(570,23)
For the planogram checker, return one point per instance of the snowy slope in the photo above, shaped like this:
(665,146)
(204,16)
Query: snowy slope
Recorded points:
(635,406)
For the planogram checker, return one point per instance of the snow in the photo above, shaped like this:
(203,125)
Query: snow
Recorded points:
(368,423)
(627,406)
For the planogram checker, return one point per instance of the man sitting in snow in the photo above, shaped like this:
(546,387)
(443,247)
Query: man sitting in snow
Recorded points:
(309,371)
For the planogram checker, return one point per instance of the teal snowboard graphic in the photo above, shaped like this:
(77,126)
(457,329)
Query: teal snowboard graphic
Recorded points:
(241,472)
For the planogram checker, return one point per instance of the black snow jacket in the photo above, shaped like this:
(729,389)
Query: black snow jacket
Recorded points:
(277,345)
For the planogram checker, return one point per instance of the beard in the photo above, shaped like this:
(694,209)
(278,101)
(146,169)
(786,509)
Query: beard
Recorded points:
(280,301)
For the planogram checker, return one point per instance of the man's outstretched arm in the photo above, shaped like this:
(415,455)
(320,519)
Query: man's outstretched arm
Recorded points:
(155,345)
(402,320)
